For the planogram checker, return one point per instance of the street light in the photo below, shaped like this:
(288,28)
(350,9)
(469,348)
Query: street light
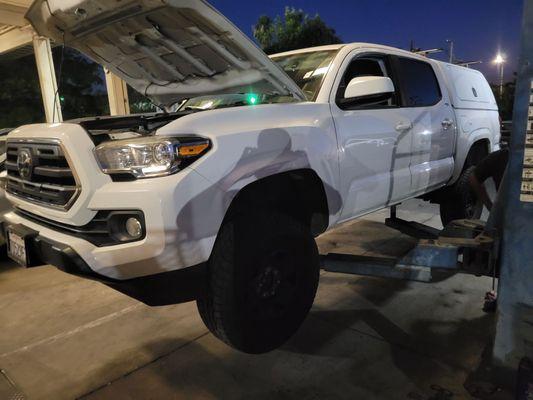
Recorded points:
(499,61)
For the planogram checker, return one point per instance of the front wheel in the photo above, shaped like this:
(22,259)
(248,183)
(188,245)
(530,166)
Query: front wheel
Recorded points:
(461,201)
(263,276)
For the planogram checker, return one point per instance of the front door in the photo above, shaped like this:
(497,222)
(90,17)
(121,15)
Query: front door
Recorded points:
(374,143)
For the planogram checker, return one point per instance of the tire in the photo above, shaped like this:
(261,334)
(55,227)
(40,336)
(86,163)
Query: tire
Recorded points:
(262,279)
(461,202)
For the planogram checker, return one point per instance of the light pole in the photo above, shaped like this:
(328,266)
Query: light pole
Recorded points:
(450,43)
(499,61)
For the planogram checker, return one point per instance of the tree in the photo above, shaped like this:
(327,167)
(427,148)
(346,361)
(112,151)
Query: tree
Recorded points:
(81,85)
(506,101)
(139,103)
(297,30)
(20,95)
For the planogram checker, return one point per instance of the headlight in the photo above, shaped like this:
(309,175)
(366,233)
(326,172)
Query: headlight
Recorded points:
(149,156)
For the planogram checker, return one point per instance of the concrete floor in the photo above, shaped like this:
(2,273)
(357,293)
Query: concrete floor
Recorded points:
(366,338)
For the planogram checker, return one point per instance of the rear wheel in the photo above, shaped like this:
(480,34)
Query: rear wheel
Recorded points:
(263,276)
(461,201)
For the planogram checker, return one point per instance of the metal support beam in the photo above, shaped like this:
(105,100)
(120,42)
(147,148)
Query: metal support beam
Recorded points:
(117,94)
(411,228)
(374,266)
(514,330)
(47,79)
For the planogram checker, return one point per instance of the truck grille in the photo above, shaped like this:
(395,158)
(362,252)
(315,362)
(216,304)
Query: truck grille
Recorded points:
(39,172)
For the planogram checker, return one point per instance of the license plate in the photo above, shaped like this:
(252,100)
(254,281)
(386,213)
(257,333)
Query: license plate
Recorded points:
(16,248)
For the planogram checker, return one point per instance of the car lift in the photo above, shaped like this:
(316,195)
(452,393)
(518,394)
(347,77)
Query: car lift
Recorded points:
(463,246)
(502,247)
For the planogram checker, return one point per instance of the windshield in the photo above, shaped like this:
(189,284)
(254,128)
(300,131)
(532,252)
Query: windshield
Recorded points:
(307,69)
(211,102)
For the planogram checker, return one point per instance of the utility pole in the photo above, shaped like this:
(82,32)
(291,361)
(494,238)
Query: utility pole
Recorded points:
(499,61)
(501,81)
(450,43)
(514,331)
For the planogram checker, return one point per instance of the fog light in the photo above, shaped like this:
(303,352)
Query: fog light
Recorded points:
(134,227)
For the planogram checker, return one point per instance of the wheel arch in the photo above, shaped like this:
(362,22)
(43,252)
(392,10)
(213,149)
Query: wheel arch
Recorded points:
(300,193)
(477,146)
(479,150)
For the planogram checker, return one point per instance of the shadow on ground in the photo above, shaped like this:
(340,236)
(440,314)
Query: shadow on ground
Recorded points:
(330,357)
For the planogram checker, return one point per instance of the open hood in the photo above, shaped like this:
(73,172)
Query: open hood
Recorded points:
(168,50)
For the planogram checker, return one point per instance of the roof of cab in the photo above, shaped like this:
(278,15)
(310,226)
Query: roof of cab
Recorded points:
(348,46)
(309,49)
(468,87)
(356,45)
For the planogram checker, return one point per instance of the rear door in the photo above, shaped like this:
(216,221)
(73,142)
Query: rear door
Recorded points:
(426,104)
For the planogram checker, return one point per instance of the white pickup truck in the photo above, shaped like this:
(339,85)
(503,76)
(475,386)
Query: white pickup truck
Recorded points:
(219,198)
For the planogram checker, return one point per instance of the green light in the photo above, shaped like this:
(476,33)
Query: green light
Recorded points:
(252,98)
(61,98)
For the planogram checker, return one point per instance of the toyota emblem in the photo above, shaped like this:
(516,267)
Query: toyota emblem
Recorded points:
(25,163)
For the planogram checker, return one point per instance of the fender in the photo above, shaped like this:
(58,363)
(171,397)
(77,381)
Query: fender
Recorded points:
(248,146)
(263,141)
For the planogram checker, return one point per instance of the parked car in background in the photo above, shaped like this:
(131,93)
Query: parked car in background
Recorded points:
(222,205)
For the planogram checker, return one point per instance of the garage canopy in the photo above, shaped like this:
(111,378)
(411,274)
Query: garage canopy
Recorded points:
(17,39)
(15,31)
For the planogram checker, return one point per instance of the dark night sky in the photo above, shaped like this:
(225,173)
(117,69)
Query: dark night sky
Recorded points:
(479,27)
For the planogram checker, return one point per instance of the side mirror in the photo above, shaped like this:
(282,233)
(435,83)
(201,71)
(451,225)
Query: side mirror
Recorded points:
(371,87)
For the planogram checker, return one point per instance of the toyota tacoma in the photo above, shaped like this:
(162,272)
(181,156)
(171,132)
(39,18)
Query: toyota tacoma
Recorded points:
(219,196)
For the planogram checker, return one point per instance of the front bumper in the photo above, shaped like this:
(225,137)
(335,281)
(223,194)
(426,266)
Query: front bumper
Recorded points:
(159,289)
(182,212)
(180,220)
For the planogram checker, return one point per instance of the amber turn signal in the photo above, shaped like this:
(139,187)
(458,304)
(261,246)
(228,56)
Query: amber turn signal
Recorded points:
(189,150)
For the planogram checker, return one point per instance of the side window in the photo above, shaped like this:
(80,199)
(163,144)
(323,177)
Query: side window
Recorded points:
(420,87)
(371,65)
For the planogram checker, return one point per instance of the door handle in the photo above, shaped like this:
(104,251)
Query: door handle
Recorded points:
(447,124)
(403,126)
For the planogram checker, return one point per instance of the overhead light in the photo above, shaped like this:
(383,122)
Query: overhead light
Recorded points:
(499,59)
